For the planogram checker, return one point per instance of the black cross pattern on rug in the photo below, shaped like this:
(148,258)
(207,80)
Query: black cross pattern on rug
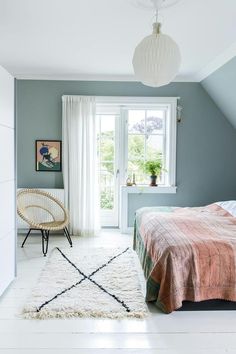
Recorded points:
(88,277)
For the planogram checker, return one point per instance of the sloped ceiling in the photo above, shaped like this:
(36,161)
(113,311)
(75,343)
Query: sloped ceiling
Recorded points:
(221,86)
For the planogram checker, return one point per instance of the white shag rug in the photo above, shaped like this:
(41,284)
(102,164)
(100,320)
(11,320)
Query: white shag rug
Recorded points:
(97,282)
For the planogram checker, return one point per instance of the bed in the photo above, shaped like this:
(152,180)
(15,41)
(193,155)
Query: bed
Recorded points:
(187,254)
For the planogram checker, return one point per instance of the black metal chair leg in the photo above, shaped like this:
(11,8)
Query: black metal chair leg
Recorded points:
(45,239)
(26,238)
(67,234)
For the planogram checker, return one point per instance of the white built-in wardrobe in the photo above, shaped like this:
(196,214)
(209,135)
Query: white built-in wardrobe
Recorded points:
(7,180)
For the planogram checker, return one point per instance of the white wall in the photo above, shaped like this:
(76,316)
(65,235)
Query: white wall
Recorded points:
(7,180)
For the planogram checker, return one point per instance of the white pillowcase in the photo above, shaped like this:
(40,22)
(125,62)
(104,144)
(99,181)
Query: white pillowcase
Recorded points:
(229,205)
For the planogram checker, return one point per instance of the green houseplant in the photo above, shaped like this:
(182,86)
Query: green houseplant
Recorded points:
(154,169)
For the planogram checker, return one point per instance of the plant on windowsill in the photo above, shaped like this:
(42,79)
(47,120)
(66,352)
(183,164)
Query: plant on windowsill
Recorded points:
(154,169)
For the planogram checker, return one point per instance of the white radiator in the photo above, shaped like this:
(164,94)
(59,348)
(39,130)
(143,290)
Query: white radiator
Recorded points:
(57,193)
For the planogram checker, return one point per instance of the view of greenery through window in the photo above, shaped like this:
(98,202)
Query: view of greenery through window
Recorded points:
(106,149)
(146,130)
(146,133)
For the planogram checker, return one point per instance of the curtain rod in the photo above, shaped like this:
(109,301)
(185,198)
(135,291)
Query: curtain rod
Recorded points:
(125,97)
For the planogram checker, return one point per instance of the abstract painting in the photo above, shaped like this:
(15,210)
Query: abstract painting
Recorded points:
(48,155)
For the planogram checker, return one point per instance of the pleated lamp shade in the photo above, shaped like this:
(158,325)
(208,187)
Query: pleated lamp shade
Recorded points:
(156,59)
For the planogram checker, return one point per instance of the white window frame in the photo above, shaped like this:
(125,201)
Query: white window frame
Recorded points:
(170,174)
(143,102)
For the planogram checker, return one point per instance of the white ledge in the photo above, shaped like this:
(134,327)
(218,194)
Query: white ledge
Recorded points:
(142,189)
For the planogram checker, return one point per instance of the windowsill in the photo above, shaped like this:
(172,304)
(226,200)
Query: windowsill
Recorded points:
(140,189)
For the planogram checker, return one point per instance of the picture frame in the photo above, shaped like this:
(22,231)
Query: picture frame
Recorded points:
(48,155)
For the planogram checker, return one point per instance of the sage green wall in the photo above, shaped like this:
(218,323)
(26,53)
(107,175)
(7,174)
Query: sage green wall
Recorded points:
(206,142)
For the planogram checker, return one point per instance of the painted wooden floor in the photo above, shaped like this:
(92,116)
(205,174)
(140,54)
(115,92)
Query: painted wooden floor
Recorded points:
(177,333)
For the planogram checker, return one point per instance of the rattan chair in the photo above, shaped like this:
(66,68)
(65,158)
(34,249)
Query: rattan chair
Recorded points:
(42,211)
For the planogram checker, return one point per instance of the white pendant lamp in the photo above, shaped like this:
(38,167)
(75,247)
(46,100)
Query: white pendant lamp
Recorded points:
(157,58)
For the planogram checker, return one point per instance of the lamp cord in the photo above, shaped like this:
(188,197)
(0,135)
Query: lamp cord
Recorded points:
(156,15)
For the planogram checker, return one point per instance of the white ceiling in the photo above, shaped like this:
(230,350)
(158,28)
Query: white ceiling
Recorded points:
(95,39)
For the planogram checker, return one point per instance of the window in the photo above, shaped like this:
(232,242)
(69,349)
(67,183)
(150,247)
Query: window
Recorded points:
(131,131)
(106,167)
(146,141)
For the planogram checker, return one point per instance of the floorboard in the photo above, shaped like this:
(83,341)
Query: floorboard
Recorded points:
(187,332)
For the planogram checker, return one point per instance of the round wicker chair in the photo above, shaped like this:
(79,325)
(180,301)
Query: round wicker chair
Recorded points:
(42,211)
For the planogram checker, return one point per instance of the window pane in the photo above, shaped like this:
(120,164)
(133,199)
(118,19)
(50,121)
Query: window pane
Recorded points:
(106,147)
(107,125)
(154,147)
(106,190)
(107,150)
(107,167)
(136,119)
(155,122)
(134,168)
(136,145)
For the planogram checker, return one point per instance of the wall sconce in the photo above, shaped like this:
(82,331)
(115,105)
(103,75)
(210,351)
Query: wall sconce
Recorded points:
(179,113)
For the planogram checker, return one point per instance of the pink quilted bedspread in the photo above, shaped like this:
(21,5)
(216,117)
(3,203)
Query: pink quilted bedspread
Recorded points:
(191,254)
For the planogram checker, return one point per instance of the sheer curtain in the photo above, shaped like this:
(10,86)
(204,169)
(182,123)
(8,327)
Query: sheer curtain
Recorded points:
(80,164)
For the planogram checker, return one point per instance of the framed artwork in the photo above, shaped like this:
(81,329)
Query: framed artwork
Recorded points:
(48,155)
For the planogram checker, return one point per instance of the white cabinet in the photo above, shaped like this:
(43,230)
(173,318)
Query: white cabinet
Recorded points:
(7,163)
(7,180)
(7,260)
(7,207)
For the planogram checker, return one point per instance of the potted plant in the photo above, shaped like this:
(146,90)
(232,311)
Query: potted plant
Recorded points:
(154,169)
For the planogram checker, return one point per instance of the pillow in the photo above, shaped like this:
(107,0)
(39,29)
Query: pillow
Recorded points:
(229,206)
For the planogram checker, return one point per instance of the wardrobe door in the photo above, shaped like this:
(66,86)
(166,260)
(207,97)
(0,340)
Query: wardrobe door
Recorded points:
(7,180)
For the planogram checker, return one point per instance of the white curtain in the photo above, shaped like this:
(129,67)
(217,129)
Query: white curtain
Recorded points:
(79,164)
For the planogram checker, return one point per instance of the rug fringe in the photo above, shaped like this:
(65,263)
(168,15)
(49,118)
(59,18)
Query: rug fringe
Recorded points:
(63,314)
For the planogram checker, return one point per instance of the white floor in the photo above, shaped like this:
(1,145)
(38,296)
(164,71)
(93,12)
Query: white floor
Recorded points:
(177,333)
